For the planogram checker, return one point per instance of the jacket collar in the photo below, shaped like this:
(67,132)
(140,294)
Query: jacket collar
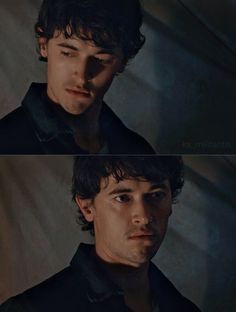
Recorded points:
(44,120)
(100,287)
(48,126)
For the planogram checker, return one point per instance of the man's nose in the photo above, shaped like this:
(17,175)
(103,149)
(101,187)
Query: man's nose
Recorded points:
(142,214)
(82,72)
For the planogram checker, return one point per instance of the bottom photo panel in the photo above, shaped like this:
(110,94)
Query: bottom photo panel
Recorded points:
(117,233)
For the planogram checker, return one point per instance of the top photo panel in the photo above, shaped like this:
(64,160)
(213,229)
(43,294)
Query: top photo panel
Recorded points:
(117,77)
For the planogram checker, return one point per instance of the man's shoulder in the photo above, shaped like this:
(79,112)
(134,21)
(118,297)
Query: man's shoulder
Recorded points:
(121,139)
(17,135)
(11,118)
(168,297)
(54,294)
(13,125)
(137,143)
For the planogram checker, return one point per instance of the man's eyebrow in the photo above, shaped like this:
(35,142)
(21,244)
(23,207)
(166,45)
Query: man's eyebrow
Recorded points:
(67,45)
(119,190)
(158,186)
(106,51)
(101,51)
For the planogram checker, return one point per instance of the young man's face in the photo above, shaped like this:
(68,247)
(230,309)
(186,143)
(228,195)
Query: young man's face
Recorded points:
(130,219)
(79,73)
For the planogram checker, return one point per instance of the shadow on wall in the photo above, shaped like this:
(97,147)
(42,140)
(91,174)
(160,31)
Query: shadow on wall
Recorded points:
(218,211)
(218,16)
(194,81)
(198,254)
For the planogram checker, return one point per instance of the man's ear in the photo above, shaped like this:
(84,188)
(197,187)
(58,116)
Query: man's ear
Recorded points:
(86,207)
(43,46)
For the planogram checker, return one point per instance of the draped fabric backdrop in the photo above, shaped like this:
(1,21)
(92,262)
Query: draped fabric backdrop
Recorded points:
(39,233)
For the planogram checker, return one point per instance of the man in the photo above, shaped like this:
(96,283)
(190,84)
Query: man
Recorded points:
(86,43)
(126,203)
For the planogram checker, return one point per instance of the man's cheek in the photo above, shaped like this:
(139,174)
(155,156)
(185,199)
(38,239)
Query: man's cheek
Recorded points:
(102,86)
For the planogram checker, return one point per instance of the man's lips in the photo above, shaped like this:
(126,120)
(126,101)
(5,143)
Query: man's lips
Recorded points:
(78,92)
(142,235)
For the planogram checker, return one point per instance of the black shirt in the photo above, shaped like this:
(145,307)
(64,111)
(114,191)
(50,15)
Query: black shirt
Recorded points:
(35,128)
(84,287)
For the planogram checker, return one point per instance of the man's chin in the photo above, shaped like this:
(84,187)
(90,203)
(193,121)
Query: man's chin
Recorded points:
(76,109)
(144,255)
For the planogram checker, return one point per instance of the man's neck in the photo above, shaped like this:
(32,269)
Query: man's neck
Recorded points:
(86,127)
(134,282)
(136,286)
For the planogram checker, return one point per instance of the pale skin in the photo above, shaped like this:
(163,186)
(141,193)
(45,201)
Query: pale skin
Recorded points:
(130,221)
(79,74)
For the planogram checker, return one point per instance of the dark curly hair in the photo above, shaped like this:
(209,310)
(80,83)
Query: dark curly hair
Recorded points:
(89,170)
(108,23)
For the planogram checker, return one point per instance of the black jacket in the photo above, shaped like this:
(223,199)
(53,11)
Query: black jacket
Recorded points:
(34,128)
(84,287)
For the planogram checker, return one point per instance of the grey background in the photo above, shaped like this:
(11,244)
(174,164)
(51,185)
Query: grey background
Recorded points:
(39,234)
(179,92)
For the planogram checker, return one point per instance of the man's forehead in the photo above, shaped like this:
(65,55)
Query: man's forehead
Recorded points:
(87,38)
(132,182)
(69,34)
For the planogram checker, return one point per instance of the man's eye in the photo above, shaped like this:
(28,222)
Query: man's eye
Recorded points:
(102,61)
(157,195)
(99,61)
(64,53)
(122,198)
